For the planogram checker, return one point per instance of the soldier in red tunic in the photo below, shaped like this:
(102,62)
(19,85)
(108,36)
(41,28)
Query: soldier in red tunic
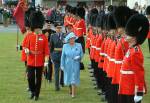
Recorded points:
(132,81)
(80,27)
(37,52)
(121,16)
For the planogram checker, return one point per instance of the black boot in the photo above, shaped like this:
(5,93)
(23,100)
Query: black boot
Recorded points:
(32,96)
(36,98)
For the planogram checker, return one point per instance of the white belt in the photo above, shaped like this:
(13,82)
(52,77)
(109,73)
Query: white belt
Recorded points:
(126,72)
(79,28)
(93,47)
(112,60)
(118,62)
(98,48)
(102,54)
(105,55)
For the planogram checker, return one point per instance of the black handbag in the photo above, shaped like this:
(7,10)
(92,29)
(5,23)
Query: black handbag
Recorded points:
(81,66)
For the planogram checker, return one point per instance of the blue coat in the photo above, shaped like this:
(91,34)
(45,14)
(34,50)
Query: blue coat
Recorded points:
(70,65)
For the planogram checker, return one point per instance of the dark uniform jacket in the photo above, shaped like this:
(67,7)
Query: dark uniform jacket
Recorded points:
(56,42)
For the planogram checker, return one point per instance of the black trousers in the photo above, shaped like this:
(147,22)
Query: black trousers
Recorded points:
(126,99)
(114,93)
(34,79)
(149,44)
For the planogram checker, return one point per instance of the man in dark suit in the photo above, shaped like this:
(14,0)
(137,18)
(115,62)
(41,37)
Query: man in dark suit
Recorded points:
(56,44)
(48,32)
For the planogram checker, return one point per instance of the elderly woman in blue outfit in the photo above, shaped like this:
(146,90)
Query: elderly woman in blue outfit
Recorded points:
(70,62)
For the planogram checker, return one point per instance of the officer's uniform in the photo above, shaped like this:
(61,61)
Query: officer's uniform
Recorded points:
(49,71)
(56,44)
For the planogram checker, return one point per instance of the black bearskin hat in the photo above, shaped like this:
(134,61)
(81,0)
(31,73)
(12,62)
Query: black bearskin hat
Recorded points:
(138,26)
(93,20)
(68,8)
(100,20)
(148,10)
(93,11)
(121,15)
(37,20)
(80,12)
(133,12)
(73,10)
(110,22)
(111,8)
(28,13)
(104,20)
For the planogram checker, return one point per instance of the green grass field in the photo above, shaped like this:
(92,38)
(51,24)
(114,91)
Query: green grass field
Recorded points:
(13,84)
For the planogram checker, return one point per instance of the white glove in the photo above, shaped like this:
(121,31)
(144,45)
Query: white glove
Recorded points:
(18,47)
(76,57)
(137,98)
(26,51)
(45,64)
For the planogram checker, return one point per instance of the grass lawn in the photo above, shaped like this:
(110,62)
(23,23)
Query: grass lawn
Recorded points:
(13,84)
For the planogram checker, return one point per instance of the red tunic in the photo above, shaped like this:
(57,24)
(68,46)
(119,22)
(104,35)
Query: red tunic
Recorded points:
(121,49)
(111,64)
(88,38)
(101,58)
(23,54)
(98,48)
(132,72)
(38,47)
(106,54)
(93,46)
(72,21)
(66,20)
(79,28)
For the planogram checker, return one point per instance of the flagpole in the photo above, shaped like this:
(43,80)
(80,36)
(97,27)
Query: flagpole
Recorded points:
(111,2)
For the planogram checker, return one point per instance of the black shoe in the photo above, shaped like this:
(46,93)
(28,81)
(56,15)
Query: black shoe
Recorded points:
(36,98)
(32,96)
(91,75)
(62,85)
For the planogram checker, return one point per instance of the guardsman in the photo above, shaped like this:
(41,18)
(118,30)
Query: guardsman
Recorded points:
(132,82)
(28,31)
(67,15)
(56,44)
(148,16)
(80,27)
(89,33)
(110,56)
(121,16)
(48,32)
(37,51)
(73,14)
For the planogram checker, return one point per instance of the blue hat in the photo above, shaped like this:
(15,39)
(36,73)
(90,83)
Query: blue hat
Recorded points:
(69,36)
